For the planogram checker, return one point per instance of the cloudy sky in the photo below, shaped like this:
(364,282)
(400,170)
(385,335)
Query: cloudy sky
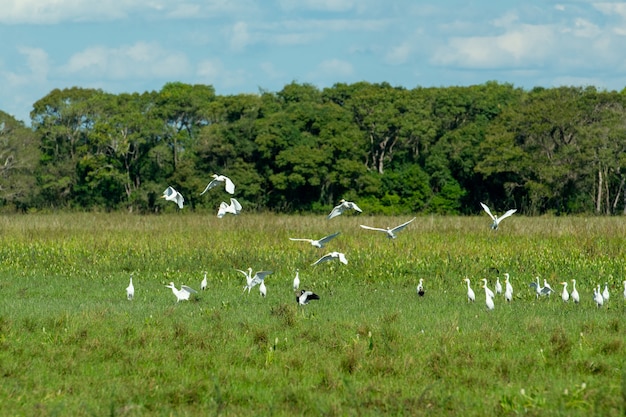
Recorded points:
(244,46)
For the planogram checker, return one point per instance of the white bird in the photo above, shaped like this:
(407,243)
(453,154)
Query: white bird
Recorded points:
(508,288)
(574,293)
(251,281)
(317,243)
(546,285)
(420,288)
(170,194)
(183,293)
(262,288)
(296,280)
(391,233)
(233,208)
(597,296)
(496,219)
(343,206)
(217,179)
(487,290)
(330,256)
(565,294)
(470,292)
(498,286)
(539,290)
(488,298)
(303,297)
(605,293)
(624,289)
(203,284)
(130,290)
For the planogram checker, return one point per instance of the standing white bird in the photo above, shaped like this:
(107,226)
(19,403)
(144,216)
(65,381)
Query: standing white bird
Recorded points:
(487,290)
(303,297)
(564,294)
(330,256)
(508,288)
(217,179)
(170,194)
(130,290)
(391,233)
(343,206)
(574,293)
(498,286)
(605,293)
(488,298)
(296,280)
(262,288)
(496,219)
(470,292)
(204,283)
(597,296)
(233,208)
(317,243)
(183,293)
(420,288)
(624,289)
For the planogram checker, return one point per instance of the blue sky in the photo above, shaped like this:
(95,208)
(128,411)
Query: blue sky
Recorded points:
(244,46)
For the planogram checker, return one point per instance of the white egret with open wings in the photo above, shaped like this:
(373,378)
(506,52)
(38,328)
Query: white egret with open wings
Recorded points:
(496,219)
(317,243)
(343,206)
(183,294)
(539,290)
(331,256)
(170,194)
(218,179)
(233,208)
(251,281)
(391,233)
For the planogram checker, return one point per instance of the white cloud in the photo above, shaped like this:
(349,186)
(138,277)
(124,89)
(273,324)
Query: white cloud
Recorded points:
(239,36)
(612,9)
(399,54)
(319,5)
(139,60)
(37,68)
(213,71)
(335,67)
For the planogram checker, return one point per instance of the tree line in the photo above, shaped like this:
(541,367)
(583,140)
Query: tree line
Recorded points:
(301,149)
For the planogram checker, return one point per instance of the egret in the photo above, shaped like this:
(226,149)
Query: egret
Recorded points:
(498,286)
(488,298)
(624,289)
(597,296)
(170,194)
(233,208)
(508,288)
(546,285)
(262,288)
(330,256)
(203,284)
(343,206)
(496,219)
(317,243)
(487,290)
(303,297)
(251,281)
(420,288)
(605,293)
(539,290)
(130,290)
(574,294)
(217,179)
(296,280)
(183,293)
(470,293)
(564,294)
(391,233)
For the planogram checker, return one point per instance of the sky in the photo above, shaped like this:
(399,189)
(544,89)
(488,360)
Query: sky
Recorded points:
(249,46)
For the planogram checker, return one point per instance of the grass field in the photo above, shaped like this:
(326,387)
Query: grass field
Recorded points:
(71,344)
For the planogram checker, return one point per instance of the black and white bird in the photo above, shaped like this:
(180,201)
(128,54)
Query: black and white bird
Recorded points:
(420,288)
(183,294)
(233,208)
(391,233)
(170,194)
(496,219)
(303,297)
(218,179)
(130,290)
(343,206)
(331,256)
(317,243)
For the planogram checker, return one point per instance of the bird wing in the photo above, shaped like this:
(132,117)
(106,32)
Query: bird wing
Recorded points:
(180,200)
(261,275)
(373,228)
(301,239)
(488,211)
(229,185)
(212,184)
(336,211)
(324,258)
(355,207)
(328,238)
(188,289)
(546,290)
(533,284)
(402,226)
(507,214)
(221,212)
(234,204)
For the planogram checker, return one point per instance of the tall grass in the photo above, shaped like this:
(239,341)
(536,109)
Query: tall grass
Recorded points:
(71,344)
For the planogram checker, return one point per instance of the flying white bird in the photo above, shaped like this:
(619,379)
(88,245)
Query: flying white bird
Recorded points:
(498,286)
(203,284)
(488,298)
(539,290)
(251,281)
(183,293)
(217,179)
(487,290)
(470,292)
(130,290)
(508,288)
(317,243)
(296,280)
(343,206)
(565,294)
(170,194)
(233,208)
(496,219)
(597,296)
(574,293)
(391,233)
(420,288)
(262,288)
(330,256)
(303,297)
(605,293)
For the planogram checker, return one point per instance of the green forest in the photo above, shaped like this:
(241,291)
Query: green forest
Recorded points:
(393,150)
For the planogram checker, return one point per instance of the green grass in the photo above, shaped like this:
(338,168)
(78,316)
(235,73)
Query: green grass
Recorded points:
(71,344)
